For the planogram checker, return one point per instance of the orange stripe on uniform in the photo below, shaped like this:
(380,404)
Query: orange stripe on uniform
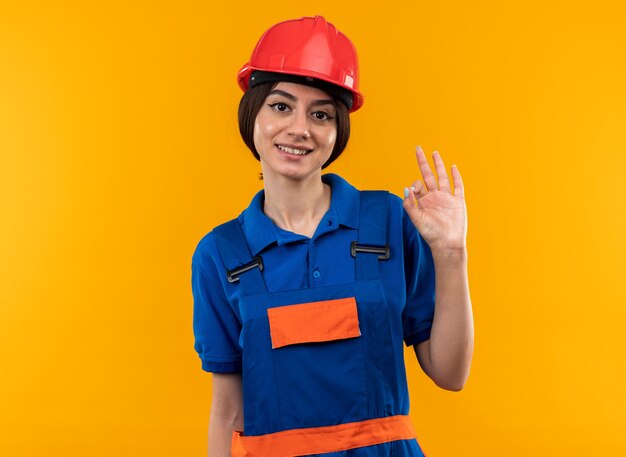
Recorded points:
(314,322)
(319,440)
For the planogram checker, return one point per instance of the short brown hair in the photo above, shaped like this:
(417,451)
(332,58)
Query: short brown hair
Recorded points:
(251,103)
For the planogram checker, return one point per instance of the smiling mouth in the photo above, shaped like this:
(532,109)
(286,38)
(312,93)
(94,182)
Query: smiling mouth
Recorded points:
(293,151)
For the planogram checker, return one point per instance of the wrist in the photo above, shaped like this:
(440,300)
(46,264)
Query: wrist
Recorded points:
(456,256)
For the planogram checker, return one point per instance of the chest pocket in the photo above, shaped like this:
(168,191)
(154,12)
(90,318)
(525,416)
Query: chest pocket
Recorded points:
(316,322)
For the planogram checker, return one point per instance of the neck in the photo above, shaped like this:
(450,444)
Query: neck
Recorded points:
(297,205)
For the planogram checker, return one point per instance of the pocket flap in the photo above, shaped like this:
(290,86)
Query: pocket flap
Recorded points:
(314,322)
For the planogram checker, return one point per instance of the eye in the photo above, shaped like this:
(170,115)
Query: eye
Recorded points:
(321,116)
(279,106)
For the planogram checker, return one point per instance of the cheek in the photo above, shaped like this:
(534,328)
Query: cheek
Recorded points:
(333,137)
(256,136)
(330,138)
(263,134)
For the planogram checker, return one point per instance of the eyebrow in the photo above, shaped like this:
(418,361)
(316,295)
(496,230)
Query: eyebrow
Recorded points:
(293,98)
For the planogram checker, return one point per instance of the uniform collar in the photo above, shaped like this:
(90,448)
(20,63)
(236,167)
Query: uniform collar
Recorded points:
(260,231)
(345,200)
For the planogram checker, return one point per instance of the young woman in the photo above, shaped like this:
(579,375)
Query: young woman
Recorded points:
(303,302)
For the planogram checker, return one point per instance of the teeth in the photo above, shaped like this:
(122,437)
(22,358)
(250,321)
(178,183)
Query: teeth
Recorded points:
(298,152)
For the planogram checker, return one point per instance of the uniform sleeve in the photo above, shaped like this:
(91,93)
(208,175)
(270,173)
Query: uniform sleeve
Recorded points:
(420,285)
(215,324)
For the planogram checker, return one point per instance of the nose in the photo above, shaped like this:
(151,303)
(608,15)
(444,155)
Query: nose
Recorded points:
(299,126)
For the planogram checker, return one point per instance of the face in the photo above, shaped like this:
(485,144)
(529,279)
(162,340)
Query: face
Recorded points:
(295,131)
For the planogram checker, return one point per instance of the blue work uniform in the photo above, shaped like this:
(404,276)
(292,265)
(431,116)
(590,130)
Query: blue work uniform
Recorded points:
(316,325)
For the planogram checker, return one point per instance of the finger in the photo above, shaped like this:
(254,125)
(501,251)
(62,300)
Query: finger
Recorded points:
(412,208)
(409,199)
(442,175)
(418,189)
(429,178)
(458,182)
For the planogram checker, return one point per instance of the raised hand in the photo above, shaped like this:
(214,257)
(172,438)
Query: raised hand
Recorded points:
(438,214)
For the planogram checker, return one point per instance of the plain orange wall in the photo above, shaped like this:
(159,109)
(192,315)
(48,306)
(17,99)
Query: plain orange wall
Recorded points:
(119,150)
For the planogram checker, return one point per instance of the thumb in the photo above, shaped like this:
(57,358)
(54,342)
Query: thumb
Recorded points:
(411,206)
(409,199)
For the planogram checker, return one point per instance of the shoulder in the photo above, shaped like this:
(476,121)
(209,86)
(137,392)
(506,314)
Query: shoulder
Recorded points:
(395,210)
(207,252)
(395,203)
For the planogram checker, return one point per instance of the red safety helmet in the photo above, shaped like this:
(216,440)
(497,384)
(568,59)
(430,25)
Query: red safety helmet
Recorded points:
(308,47)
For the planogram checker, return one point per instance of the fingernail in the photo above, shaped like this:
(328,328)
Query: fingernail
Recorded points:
(406,193)
(419,148)
(412,189)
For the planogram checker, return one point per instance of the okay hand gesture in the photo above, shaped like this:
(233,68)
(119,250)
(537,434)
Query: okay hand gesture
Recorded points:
(438,214)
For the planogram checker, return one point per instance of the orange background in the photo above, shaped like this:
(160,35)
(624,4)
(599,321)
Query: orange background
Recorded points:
(119,150)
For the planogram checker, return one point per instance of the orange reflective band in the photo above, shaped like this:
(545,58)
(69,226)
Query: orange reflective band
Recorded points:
(319,440)
(314,322)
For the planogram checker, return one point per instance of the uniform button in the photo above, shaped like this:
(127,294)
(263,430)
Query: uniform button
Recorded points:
(316,274)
